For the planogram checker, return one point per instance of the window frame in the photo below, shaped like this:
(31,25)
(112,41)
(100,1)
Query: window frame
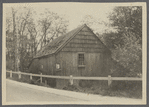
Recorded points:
(81,65)
(58,66)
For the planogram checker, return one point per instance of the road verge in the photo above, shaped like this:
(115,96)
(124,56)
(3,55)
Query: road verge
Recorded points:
(78,95)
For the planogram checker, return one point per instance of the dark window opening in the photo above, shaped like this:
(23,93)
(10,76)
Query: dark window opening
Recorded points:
(81,59)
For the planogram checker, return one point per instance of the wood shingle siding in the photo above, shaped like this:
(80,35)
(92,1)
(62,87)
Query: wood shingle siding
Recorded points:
(65,51)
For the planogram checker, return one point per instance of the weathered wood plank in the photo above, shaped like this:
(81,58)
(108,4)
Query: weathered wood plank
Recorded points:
(87,43)
(87,78)
(83,45)
(83,50)
(85,29)
(83,41)
(85,37)
(88,47)
(85,33)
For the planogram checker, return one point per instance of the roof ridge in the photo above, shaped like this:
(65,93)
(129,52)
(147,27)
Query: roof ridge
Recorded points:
(80,28)
(64,38)
(98,38)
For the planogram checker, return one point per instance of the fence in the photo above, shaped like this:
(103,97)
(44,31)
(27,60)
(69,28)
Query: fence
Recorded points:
(71,78)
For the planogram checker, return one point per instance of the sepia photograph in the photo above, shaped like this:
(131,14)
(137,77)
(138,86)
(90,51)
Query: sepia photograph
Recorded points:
(74,53)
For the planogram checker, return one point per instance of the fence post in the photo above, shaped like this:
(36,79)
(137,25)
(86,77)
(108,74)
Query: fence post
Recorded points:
(19,75)
(109,80)
(10,74)
(41,78)
(31,76)
(71,80)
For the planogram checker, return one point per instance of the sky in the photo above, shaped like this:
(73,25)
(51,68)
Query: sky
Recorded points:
(73,12)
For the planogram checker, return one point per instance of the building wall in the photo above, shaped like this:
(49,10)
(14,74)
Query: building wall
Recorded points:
(96,65)
(85,41)
(94,62)
(46,66)
(97,57)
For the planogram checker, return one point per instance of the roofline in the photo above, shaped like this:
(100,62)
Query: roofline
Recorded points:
(57,50)
(43,55)
(99,39)
(63,45)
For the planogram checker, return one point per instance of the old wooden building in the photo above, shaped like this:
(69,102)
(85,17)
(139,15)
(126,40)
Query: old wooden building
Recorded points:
(79,53)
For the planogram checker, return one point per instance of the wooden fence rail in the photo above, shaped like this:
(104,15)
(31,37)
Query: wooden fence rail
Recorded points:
(71,78)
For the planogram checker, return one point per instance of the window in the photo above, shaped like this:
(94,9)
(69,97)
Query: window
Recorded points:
(57,66)
(81,59)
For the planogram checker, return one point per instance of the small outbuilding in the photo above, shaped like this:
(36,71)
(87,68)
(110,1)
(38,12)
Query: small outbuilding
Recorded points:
(79,53)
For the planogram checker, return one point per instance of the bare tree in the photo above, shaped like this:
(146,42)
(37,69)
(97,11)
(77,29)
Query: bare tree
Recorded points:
(17,39)
(14,37)
(33,43)
(24,38)
(52,26)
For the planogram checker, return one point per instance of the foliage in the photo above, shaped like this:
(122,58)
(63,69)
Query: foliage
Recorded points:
(52,25)
(128,19)
(25,34)
(130,54)
(125,40)
(128,89)
(111,39)
(127,43)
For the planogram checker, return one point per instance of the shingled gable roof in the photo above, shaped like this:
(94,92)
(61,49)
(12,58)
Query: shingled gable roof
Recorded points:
(59,43)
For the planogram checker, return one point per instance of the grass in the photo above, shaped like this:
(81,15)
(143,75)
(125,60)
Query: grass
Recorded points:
(118,88)
(26,79)
(131,90)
